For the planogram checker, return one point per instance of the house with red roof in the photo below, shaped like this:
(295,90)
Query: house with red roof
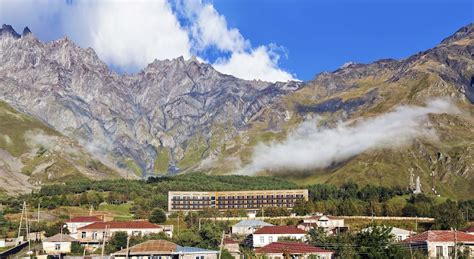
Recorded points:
(469,230)
(442,243)
(269,234)
(93,234)
(327,222)
(278,250)
(233,247)
(77,222)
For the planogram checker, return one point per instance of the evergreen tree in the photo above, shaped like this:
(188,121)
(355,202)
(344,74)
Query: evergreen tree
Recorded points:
(157,216)
(448,215)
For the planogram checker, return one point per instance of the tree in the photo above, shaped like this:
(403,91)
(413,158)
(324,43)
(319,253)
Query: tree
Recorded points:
(119,240)
(375,241)
(55,228)
(448,215)
(3,224)
(300,208)
(188,238)
(77,249)
(157,216)
(210,235)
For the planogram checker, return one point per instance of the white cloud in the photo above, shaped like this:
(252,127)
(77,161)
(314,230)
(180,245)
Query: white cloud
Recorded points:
(261,63)
(209,28)
(131,34)
(312,147)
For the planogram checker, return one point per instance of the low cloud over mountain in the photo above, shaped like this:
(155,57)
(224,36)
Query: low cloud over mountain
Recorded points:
(311,146)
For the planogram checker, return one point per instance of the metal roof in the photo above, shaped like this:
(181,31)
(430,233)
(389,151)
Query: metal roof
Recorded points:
(188,249)
(251,223)
(60,238)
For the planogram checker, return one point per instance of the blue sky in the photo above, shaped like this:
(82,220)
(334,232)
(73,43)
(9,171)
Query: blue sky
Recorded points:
(323,35)
(273,40)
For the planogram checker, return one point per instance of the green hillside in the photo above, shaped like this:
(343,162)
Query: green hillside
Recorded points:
(31,154)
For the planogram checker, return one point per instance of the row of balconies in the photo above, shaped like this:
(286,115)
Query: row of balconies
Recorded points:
(247,206)
(258,197)
(237,202)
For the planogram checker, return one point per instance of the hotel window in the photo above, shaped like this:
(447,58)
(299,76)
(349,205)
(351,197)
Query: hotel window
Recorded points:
(439,251)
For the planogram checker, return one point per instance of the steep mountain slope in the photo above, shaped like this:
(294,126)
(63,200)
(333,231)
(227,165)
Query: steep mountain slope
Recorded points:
(31,154)
(366,90)
(183,116)
(165,118)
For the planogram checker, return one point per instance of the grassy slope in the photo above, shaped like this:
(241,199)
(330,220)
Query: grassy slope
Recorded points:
(45,154)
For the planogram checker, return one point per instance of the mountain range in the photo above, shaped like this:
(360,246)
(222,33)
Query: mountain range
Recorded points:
(179,116)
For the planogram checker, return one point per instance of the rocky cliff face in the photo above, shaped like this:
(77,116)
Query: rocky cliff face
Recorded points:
(129,119)
(182,115)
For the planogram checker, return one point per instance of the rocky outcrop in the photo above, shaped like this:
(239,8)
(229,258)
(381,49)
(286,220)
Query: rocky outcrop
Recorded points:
(126,118)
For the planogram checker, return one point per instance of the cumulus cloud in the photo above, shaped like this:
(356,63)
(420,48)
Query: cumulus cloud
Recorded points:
(261,63)
(313,147)
(130,34)
(208,28)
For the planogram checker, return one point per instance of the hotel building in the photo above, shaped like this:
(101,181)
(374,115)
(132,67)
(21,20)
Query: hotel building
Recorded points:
(225,200)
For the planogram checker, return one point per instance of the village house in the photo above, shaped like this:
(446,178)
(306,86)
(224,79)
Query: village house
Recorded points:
(232,246)
(164,250)
(247,227)
(269,234)
(397,233)
(279,250)
(58,244)
(93,234)
(469,230)
(441,243)
(78,222)
(326,222)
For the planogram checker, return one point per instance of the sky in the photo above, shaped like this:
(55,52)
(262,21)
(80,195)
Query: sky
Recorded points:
(271,40)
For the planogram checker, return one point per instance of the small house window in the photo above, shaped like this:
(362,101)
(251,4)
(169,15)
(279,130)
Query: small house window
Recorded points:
(262,240)
(270,239)
(94,235)
(57,247)
(200,257)
(451,251)
(83,235)
(439,251)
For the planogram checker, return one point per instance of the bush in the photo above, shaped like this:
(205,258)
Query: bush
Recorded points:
(157,216)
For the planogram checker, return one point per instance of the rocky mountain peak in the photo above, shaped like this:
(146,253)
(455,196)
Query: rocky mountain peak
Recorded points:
(26,31)
(8,30)
(132,118)
(465,32)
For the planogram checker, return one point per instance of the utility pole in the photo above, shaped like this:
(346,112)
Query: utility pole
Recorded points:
(128,245)
(39,206)
(103,242)
(455,243)
(222,244)
(178,222)
(416,224)
(24,216)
